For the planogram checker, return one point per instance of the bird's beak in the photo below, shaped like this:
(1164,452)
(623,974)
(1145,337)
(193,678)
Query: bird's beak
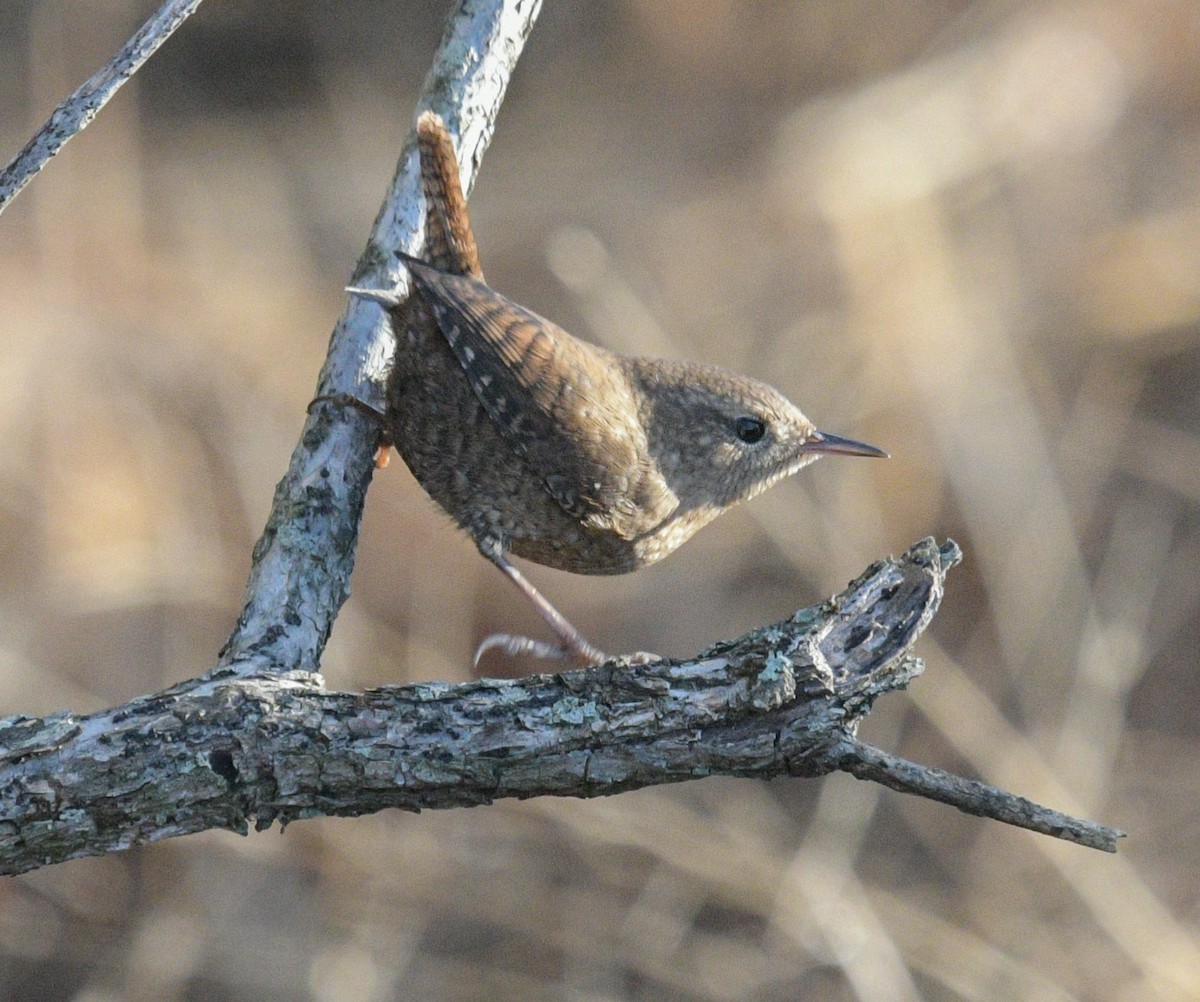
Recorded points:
(822,442)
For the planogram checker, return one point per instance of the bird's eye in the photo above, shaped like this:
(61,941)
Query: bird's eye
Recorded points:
(750,429)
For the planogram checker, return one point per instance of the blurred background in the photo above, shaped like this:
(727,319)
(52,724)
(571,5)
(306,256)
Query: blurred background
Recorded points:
(968,232)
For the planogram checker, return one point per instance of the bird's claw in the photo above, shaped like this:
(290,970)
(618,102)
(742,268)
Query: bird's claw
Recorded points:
(585,656)
(516,647)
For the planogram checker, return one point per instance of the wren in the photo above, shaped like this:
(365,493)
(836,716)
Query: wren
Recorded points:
(546,447)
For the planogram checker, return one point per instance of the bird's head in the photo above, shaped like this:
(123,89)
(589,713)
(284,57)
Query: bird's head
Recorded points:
(720,438)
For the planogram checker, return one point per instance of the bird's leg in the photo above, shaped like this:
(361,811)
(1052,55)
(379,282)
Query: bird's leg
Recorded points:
(574,645)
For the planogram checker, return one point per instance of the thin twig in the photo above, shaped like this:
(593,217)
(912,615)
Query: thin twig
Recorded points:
(973,797)
(74,114)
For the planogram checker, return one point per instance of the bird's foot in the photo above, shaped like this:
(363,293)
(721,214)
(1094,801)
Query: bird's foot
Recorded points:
(516,647)
(584,655)
(574,645)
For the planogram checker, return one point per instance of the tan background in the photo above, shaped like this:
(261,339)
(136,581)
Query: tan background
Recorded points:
(966,232)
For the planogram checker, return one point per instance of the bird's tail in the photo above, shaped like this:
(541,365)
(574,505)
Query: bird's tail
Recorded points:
(450,244)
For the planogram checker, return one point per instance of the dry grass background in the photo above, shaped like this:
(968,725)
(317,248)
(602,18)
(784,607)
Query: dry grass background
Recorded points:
(967,232)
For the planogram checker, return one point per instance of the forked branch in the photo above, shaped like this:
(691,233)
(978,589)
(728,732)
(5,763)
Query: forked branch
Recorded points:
(259,739)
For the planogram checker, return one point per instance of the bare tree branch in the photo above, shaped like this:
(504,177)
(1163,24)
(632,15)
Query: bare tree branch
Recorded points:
(74,114)
(302,562)
(228,751)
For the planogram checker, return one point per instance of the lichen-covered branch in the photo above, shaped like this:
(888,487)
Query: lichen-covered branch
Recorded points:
(302,562)
(230,751)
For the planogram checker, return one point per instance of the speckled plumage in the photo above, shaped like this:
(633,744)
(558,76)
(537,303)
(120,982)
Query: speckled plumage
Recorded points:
(556,450)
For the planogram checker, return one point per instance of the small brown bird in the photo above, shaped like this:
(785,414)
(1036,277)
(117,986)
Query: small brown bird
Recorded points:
(556,450)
